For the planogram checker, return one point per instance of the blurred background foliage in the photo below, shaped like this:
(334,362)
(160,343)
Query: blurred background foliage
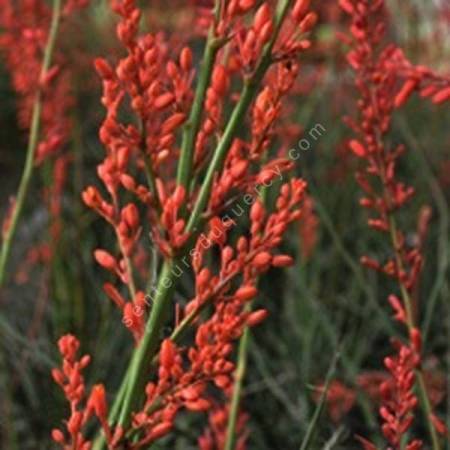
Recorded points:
(326,303)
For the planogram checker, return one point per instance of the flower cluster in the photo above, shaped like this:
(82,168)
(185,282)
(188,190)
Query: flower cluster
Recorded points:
(25,29)
(140,156)
(41,79)
(369,60)
(184,374)
(71,381)
(173,172)
(399,400)
(429,84)
(379,69)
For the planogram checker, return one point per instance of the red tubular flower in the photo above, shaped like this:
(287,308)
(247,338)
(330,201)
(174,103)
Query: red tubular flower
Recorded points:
(71,381)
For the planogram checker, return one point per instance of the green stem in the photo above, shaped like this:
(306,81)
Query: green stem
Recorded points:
(193,125)
(147,347)
(148,166)
(32,144)
(241,368)
(230,439)
(307,441)
(427,409)
(99,442)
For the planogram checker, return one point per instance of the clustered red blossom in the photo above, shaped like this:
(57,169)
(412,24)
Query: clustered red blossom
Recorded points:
(140,157)
(422,79)
(154,82)
(25,28)
(71,381)
(185,373)
(342,398)
(380,72)
(398,398)
(158,90)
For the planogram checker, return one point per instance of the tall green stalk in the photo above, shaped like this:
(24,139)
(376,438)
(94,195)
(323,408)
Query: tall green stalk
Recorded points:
(230,441)
(33,142)
(141,359)
(308,439)
(193,125)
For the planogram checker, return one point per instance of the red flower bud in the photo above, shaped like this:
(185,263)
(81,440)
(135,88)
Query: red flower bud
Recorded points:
(161,430)
(266,32)
(246,293)
(257,212)
(91,197)
(105,259)
(442,96)
(239,169)
(130,215)
(58,436)
(255,318)
(198,405)
(282,261)
(58,376)
(179,195)
(246,5)
(98,401)
(262,260)
(128,182)
(74,423)
(308,23)
(186,59)
(220,80)
(416,339)
(103,69)
(173,122)
(164,100)
(405,92)
(357,148)
(439,425)
(262,16)
(167,354)
(347,6)
(300,9)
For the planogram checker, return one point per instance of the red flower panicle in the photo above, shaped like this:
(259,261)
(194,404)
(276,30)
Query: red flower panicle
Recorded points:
(398,398)
(25,28)
(71,381)
(185,373)
(154,82)
(380,71)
